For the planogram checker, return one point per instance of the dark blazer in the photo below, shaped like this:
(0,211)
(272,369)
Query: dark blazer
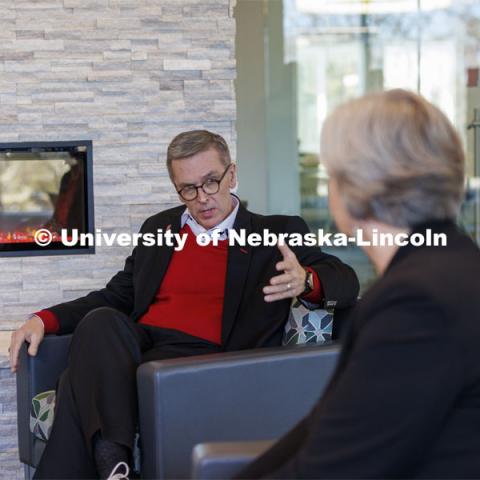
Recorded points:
(248,321)
(404,401)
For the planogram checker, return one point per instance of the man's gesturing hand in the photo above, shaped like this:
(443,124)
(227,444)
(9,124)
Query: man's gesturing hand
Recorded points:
(288,284)
(31,331)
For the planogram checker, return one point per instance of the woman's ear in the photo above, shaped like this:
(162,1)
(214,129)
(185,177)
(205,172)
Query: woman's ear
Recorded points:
(338,209)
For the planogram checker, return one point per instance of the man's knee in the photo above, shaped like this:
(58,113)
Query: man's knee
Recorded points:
(99,320)
(104,331)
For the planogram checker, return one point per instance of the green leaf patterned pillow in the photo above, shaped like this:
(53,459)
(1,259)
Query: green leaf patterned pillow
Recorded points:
(41,414)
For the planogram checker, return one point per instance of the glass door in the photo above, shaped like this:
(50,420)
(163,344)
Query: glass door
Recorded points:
(345,48)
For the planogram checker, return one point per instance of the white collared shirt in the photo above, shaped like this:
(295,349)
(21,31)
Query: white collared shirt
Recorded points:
(223,226)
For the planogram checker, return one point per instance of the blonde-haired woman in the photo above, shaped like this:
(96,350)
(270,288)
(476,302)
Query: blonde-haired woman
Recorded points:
(404,401)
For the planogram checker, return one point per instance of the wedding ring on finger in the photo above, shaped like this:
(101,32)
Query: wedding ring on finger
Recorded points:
(289,286)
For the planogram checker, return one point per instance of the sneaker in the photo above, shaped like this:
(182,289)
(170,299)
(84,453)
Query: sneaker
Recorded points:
(114,475)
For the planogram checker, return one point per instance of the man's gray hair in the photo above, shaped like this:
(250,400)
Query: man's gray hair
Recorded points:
(396,158)
(187,144)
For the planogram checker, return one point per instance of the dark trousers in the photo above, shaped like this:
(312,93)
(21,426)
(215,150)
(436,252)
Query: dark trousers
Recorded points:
(97,392)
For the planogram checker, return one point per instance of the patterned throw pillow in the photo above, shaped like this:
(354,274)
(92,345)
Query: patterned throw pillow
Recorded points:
(307,326)
(41,414)
(41,420)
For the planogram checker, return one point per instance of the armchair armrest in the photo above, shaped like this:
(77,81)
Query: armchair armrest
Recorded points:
(220,461)
(247,395)
(35,375)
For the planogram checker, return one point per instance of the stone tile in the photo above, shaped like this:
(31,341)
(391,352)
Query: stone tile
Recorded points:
(187,64)
(36,45)
(86,4)
(23,67)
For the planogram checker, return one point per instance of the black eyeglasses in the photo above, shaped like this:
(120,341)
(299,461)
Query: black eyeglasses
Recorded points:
(209,186)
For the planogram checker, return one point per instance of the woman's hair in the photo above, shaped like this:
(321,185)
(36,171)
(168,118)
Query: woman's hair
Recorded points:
(187,144)
(396,158)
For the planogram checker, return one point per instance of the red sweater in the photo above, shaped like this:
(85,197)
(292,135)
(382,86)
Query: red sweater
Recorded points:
(190,298)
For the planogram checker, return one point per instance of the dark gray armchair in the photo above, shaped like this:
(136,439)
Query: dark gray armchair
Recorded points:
(248,395)
(221,461)
(36,375)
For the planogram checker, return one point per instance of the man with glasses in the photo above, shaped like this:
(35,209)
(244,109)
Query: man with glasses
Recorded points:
(168,303)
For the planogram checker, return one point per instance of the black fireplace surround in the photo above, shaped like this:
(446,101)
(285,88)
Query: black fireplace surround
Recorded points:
(45,188)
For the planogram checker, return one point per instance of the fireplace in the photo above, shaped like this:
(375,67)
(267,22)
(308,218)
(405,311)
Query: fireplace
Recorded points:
(46,188)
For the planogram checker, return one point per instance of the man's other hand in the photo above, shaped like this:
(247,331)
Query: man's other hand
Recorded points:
(31,331)
(288,284)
